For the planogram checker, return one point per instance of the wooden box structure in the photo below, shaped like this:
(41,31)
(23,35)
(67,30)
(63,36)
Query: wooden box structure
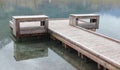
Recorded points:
(29,25)
(76,20)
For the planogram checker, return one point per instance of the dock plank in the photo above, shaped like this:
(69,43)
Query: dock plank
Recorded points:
(103,47)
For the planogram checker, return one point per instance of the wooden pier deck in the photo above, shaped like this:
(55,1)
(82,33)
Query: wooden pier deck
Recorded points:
(103,50)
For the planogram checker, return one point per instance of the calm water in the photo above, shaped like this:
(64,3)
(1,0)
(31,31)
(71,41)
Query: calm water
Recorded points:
(49,55)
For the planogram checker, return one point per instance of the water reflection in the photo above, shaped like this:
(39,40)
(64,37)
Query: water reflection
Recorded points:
(52,62)
(57,9)
(55,57)
(23,51)
(52,57)
(70,56)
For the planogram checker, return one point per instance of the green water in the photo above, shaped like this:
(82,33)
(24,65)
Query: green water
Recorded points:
(47,54)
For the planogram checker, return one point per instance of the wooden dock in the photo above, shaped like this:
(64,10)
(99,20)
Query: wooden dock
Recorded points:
(103,50)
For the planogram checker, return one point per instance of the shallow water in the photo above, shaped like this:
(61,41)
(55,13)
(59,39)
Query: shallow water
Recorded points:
(47,55)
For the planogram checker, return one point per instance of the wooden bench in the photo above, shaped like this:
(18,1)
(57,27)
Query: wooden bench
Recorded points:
(76,20)
(27,25)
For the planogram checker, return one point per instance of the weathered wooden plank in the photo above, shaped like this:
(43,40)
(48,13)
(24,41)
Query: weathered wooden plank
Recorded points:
(96,47)
(30,16)
(85,52)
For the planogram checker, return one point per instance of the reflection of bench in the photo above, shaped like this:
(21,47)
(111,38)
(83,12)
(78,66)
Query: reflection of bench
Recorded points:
(24,51)
(29,25)
(82,20)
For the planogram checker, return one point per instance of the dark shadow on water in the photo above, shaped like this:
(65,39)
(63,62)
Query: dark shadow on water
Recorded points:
(30,50)
(39,49)
(31,47)
(70,56)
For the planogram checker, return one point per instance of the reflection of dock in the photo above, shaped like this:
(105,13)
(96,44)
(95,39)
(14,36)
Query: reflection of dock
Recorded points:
(99,48)
(29,51)
(72,58)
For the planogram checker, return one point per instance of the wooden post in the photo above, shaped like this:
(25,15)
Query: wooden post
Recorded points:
(99,66)
(97,22)
(104,68)
(82,56)
(76,23)
(70,20)
(63,44)
(17,27)
(53,38)
(46,24)
(79,54)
